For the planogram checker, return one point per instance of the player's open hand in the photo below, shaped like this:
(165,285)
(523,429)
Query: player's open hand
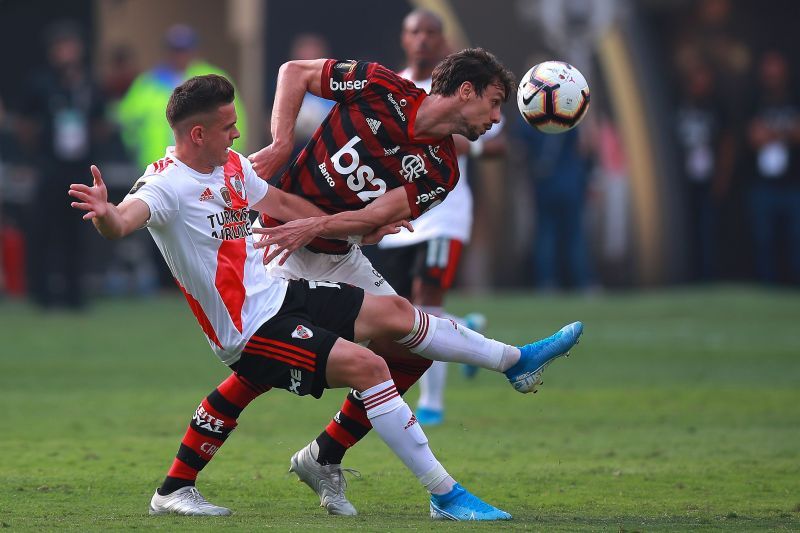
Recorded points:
(93,200)
(267,161)
(285,239)
(376,235)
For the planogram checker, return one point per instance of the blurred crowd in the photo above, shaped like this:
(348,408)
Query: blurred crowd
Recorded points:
(736,130)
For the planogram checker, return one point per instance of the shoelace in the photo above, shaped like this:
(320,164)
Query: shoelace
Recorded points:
(194,496)
(338,473)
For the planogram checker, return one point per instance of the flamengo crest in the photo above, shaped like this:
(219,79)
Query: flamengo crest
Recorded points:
(412,167)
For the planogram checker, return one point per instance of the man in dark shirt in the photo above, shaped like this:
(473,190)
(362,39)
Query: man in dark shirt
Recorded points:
(61,120)
(774,140)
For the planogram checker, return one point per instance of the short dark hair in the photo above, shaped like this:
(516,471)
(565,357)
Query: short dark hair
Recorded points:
(474,65)
(197,95)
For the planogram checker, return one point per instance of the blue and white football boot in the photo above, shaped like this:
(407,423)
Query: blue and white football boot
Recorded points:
(526,375)
(460,504)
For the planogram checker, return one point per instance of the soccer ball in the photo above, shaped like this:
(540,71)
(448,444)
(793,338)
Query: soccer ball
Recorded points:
(553,96)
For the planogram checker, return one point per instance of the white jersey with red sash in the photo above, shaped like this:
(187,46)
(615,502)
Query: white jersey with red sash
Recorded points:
(201,225)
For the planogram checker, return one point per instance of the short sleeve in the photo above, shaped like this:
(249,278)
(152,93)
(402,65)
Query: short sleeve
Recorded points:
(345,81)
(159,195)
(430,178)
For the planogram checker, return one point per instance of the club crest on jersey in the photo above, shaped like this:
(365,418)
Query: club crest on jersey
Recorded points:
(226,195)
(237,183)
(412,167)
(207,195)
(302,332)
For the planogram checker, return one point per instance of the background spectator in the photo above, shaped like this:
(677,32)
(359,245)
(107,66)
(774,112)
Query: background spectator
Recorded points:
(61,123)
(558,168)
(773,133)
(706,146)
(141,112)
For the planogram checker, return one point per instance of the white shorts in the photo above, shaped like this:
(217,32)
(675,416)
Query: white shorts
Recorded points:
(353,268)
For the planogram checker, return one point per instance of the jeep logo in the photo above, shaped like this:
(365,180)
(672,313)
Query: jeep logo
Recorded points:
(427,197)
(348,85)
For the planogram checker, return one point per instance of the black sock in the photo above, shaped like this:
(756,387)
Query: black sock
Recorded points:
(171,484)
(330,451)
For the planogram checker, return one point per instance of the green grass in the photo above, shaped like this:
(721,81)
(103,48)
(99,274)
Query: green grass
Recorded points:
(680,410)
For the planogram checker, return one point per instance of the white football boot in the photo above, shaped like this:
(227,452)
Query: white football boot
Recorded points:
(327,481)
(186,501)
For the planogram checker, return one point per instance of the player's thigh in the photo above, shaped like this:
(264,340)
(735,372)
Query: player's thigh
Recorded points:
(384,317)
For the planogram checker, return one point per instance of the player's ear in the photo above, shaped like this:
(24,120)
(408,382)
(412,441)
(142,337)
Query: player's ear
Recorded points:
(197,134)
(466,90)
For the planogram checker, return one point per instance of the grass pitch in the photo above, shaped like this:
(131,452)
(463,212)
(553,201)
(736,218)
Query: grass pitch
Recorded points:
(679,411)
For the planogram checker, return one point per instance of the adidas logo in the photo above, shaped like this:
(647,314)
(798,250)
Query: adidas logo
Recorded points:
(411,422)
(207,195)
(373,125)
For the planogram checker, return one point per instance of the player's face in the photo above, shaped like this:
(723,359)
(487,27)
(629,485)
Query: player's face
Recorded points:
(480,112)
(220,133)
(422,41)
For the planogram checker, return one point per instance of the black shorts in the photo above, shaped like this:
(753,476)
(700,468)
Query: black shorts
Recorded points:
(290,350)
(435,262)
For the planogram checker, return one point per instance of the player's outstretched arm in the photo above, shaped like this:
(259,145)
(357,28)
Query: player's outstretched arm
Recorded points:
(285,206)
(295,78)
(112,222)
(377,219)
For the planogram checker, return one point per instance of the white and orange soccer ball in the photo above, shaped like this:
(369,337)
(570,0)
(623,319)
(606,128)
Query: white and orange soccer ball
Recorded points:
(553,96)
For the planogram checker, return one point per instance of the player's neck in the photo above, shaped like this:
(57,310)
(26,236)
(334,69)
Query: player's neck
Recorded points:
(193,160)
(434,118)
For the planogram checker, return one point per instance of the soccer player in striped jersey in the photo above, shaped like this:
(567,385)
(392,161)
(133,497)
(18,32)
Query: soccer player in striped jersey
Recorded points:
(384,153)
(422,265)
(300,336)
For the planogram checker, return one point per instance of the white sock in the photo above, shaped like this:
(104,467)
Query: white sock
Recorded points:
(438,310)
(398,427)
(433,381)
(431,387)
(444,340)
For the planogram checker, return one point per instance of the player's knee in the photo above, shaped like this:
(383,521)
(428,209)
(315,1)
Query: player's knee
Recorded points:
(400,315)
(372,370)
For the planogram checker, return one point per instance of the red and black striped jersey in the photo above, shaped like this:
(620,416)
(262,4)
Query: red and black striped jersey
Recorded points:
(366,145)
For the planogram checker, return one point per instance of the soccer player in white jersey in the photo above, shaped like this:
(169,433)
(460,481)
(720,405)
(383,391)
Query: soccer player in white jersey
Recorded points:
(421,265)
(297,335)
(385,152)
